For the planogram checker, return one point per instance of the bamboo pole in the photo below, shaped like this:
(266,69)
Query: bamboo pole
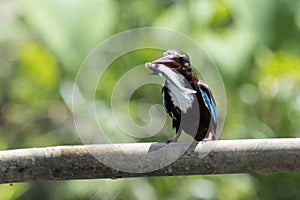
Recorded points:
(150,159)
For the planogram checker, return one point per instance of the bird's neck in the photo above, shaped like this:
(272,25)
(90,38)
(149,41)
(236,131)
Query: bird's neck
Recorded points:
(190,77)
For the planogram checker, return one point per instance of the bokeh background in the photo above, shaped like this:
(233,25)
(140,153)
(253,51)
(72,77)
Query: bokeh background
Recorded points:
(255,44)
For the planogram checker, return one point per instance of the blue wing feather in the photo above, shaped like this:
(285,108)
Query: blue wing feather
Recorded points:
(210,104)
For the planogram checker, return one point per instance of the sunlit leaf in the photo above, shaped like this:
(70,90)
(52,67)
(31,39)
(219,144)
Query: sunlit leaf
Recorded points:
(71,28)
(37,77)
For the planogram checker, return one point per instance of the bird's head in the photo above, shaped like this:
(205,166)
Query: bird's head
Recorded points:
(175,59)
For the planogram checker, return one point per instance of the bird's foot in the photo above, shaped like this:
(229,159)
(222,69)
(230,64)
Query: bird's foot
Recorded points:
(206,140)
(171,140)
(174,139)
(168,141)
(210,137)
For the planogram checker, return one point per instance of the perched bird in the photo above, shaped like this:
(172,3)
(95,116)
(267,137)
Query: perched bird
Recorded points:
(186,99)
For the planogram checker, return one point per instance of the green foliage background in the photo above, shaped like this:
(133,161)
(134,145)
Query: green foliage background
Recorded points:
(255,45)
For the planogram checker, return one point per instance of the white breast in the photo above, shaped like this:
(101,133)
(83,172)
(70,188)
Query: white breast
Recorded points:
(182,99)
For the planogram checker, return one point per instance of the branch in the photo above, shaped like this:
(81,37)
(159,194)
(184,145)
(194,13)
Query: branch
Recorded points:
(150,159)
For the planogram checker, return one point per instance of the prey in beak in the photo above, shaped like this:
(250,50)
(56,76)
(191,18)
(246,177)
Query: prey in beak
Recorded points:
(171,76)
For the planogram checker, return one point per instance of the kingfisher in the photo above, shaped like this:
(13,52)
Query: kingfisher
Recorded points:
(188,100)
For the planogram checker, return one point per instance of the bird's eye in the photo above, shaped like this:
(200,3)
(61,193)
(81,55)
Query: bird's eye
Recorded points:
(180,59)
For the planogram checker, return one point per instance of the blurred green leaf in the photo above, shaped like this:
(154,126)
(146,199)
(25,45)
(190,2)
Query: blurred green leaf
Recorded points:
(284,65)
(71,28)
(37,77)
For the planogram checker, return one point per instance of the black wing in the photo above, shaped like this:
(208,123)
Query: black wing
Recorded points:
(170,108)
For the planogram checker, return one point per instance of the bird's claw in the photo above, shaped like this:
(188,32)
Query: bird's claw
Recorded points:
(171,140)
(168,141)
(209,137)
(206,140)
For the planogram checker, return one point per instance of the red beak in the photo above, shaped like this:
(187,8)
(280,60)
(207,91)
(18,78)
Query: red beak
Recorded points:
(166,60)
